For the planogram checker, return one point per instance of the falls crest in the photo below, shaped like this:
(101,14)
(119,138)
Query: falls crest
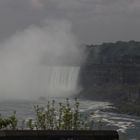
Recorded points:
(61,80)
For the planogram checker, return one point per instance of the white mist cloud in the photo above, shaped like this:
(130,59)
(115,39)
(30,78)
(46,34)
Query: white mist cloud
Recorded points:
(36,3)
(25,56)
(91,19)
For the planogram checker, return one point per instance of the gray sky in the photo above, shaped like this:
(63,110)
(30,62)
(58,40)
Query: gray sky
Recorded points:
(93,21)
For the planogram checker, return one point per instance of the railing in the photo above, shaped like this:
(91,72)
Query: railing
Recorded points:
(58,135)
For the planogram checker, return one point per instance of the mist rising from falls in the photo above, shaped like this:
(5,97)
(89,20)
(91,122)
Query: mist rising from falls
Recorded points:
(40,61)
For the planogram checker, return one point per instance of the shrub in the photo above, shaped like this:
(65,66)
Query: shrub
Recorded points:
(9,123)
(65,117)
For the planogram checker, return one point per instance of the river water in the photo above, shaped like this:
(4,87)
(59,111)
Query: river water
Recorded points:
(128,126)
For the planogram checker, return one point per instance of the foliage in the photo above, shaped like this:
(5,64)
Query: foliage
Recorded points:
(9,123)
(129,108)
(111,73)
(64,117)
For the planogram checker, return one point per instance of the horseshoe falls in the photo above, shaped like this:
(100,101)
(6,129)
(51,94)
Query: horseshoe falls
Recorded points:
(60,80)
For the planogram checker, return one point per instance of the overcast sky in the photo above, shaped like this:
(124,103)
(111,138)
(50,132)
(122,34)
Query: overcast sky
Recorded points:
(93,21)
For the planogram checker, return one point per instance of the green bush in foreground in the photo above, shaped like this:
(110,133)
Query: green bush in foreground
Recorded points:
(9,123)
(63,117)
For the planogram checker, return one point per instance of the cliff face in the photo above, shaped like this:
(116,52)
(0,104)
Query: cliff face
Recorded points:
(112,71)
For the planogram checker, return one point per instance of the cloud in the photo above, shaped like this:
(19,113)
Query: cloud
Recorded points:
(25,59)
(36,4)
(86,16)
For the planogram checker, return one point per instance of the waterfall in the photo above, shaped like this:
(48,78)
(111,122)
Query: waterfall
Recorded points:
(60,80)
